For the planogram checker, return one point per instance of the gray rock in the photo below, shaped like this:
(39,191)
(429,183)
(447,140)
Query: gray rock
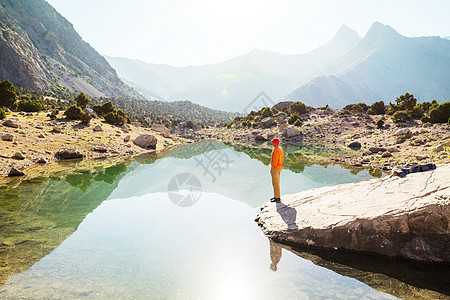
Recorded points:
(97,128)
(14,172)
(377,149)
(279,106)
(260,138)
(391,216)
(267,122)
(403,133)
(368,152)
(441,147)
(8,137)
(90,112)
(19,155)
(393,149)
(354,144)
(66,153)
(100,149)
(146,141)
(162,129)
(290,132)
(14,123)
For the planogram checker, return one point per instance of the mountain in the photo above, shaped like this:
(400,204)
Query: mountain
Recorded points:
(40,49)
(232,85)
(383,66)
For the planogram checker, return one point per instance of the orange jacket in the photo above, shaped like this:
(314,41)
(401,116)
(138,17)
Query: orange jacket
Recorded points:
(277,158)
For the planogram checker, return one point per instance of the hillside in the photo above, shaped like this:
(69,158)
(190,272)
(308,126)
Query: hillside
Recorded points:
(40,49)
(383,65)
(233,84)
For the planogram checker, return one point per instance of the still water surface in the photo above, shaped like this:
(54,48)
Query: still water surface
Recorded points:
(135,243)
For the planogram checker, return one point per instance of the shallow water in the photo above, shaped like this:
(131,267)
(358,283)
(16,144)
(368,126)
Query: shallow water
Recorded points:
(121,233)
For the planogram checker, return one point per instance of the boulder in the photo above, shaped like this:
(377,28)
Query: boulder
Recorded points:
(14,172)
(66,153)
(14,123)
(279,106)
(260,138)
(161,128)
(19,155)
(97,128)
(146,141)
(392,216)
(57,129)
(100,149)
(377,149)
(354,144)
(267,122)
(42,161)
(290,132)
(8,137)
(281,118)
(403,133)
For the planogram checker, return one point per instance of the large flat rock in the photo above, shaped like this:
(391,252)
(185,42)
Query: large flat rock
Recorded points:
(398,217)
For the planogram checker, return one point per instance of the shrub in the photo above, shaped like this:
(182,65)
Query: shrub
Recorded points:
(52,116)
(104,109)
(2,113)
(73,112)
(298,122)
(112,118)
(274,123)
(425,119)
(351,109)
(31,105)
(440,114)
(449,121)
(406,102)
(380,123)
(298,108)
(293,118)
(267,112)
(85,118)
(7,94)
(190,124)
(377,108)
(401,116)
(417,112)
(82,100)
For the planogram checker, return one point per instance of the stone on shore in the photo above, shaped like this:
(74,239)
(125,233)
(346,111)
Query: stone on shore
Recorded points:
(14,123)
(267,122)
(65,153)
(14,173)
(146,141)
(8,137)
(161,128)
(291,132)
(19,155)
(396,217)
(354,144)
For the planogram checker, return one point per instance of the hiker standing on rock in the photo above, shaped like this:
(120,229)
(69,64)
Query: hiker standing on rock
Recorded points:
(276,165)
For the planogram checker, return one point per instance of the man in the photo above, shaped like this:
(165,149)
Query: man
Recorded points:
(276,165)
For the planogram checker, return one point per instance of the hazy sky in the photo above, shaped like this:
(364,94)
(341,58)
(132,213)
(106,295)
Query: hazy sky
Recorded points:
(185,32)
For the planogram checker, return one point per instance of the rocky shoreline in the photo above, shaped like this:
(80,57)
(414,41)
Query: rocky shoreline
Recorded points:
(32,143)
(395,217)
(394,144)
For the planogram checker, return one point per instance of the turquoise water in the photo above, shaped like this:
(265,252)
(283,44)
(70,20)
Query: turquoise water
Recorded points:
(135,243)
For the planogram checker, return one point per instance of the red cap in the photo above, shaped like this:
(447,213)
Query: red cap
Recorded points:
(276,141)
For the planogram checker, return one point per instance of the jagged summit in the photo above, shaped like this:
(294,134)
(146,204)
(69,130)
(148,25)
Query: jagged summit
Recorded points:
(381,31)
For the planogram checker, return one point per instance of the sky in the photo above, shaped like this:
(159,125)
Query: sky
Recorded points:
(196,32)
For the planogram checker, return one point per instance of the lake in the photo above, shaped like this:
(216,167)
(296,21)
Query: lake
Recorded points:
(181,226)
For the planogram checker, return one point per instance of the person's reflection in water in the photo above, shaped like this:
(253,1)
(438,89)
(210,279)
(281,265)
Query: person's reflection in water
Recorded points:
(275,255)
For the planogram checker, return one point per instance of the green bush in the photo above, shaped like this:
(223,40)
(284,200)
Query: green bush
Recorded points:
(298,122)
(417,112)
(274,123)
(73,112)
(112,118)
(52,116)
(8,95)
(2,113)
(267,112)
(380,123)
(377,108)
(440,114)
(425,119)
(405,102)
(449,121)
(401,116)
(82,100)
(104,109)
(298,108)
(31,105)
(293,118)
(351,109)
(86,118)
